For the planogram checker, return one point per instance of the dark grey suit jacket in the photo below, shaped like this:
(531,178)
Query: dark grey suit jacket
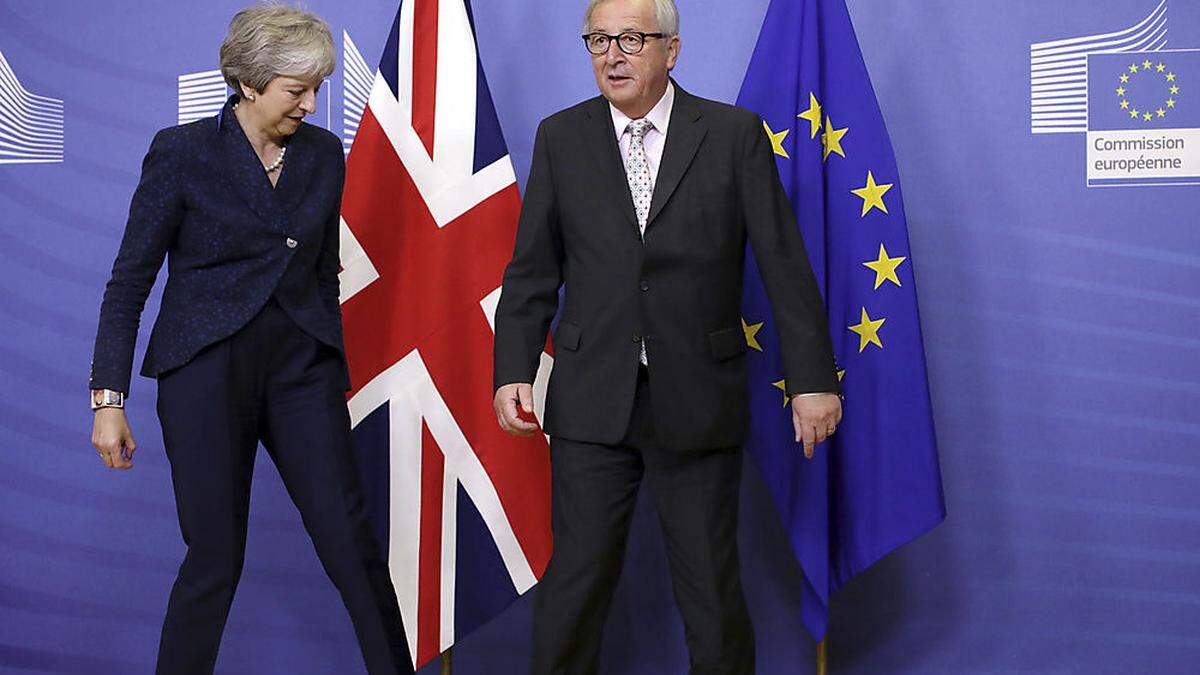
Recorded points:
(680,290)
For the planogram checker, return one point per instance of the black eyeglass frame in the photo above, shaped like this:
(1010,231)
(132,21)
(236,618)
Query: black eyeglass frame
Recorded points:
(617,38)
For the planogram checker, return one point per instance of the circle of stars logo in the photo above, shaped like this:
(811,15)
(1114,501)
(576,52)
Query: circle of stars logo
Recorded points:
(1148,73)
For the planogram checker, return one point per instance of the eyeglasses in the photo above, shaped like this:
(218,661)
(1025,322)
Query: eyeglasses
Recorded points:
(630,42)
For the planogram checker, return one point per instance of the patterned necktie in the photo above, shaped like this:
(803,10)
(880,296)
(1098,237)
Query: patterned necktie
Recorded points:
(641,184)
(637,170)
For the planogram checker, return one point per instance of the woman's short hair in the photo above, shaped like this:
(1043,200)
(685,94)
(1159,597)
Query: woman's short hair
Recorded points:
(273,39)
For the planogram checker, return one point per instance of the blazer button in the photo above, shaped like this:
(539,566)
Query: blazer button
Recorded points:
(645,286)
(291,243)
(637,338)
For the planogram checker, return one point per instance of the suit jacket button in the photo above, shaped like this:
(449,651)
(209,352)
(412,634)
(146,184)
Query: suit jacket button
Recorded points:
(645,286)
(291,243)
(637,338)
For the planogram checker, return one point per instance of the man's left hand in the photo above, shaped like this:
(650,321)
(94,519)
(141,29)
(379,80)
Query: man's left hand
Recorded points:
(815,417)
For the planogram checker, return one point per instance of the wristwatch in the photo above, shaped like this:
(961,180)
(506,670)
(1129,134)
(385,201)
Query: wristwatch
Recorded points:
(107,398)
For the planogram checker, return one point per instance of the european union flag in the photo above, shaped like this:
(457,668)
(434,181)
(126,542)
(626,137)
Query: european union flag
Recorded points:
(876,485)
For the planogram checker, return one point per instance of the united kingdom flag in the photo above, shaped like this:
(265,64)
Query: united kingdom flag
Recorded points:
(428,220)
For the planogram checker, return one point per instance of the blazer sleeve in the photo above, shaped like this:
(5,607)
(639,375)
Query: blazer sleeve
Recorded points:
(154,215)
(328,261)
(529,297)
(783,265)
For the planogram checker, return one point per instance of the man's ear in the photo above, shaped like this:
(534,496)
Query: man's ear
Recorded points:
(673,47)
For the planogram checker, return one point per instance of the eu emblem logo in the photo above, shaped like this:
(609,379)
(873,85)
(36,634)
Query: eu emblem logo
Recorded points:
(1143,118)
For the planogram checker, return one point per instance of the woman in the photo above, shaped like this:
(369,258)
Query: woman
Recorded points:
(247,346)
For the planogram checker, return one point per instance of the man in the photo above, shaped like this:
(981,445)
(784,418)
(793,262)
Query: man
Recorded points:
(640,202)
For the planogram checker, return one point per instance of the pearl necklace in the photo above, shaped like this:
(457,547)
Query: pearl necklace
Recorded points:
(278,160)
(274,166)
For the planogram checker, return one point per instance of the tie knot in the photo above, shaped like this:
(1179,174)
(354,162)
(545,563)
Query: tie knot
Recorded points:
(637,128)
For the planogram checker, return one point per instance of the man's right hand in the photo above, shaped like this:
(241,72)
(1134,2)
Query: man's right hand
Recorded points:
(507,399)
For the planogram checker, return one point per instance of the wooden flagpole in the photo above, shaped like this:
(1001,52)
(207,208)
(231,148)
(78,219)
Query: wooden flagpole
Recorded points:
(446,661)
(822,664)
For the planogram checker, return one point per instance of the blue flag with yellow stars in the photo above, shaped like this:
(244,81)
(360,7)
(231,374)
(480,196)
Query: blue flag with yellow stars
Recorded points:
(876,484)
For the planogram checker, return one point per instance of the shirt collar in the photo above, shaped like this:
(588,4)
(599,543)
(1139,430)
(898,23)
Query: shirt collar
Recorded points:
(659,115)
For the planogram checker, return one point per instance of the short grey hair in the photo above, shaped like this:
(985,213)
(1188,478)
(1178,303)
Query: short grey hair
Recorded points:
(273,39)
(666,14)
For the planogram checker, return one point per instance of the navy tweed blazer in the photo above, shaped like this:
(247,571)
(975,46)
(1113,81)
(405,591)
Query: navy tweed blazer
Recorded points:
(231,241)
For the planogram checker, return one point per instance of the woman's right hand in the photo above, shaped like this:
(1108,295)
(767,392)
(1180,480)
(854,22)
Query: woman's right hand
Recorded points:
(113,438)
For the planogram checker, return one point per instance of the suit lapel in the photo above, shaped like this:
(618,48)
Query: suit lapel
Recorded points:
(298,171)
(243,171)
(600,139)
(686,131)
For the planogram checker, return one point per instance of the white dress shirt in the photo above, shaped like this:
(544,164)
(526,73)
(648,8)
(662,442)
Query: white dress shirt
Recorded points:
(656,136)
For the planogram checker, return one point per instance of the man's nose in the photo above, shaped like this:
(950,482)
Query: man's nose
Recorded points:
(614,55)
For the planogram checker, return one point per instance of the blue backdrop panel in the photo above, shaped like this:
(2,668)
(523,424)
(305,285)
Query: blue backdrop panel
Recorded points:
(1059,321)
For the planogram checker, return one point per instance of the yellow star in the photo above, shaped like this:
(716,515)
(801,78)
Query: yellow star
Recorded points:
(782,386)
(1147,116)
(1146,64)
(831,140)
(751,330)
(1170,103)
(841,374)
(1170,77)
(1133,69)
(1124,105)
(1174,89)
(885,267)
(1134,113)
(1120,91)
(1161,112)
(1124,79)
(813,115)
(1161,67)
(868,331)
(777,140)
(872,195)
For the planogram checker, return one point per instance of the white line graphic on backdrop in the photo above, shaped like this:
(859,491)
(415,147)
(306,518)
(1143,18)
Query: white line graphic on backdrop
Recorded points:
(201,95)
(357,80)
(1058,71)
(31,126)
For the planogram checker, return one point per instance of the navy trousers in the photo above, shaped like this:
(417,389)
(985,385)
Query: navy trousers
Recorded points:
(273,383)
(594,488)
